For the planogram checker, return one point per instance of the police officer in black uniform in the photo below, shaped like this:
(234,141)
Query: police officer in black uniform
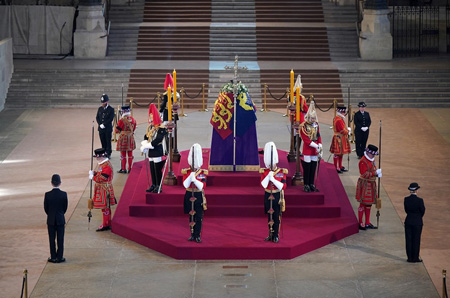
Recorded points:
(362,124)
(415,210)
(105,117)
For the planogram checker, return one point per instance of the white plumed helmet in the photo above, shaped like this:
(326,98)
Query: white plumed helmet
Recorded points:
(268,149)
(198,157)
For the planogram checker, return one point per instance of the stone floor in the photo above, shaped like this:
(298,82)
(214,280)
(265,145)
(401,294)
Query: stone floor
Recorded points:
(34,144)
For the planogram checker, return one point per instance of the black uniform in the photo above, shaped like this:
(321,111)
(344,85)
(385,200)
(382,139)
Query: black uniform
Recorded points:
(361,120)
(105,116)
(157,151)
(415,209)
(55,206)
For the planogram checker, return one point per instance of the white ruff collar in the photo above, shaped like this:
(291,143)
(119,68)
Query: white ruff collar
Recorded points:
(103,161)
(371,159)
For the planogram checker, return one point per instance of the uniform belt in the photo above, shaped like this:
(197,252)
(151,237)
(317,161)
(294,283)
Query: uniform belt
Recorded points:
(193,190)
(126,132)
(272,190)
(370,179)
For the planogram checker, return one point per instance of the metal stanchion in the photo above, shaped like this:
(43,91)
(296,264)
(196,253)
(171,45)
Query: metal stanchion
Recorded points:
(265,99)
(24,293)
(182,103)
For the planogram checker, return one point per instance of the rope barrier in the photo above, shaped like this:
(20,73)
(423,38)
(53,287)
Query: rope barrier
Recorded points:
(324,110)
(192,97)
(284,95)
(145,105)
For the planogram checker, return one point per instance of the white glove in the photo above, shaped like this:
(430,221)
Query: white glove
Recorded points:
(277,183)
(314,145)
(144,150)
(265,181)
(364,128)
(144,142)
(102,126)
(349,130)
(320,146)
(379,173)
(91,175)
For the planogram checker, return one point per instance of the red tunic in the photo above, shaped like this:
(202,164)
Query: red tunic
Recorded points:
(103,186)
(309,134)
(126,127)
(279,176)
(366,188)
(340,144)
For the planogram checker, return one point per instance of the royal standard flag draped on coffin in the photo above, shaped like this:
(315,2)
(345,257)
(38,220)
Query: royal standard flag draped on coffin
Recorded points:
(222,118)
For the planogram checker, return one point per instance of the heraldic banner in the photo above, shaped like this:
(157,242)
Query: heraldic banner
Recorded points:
(222,120)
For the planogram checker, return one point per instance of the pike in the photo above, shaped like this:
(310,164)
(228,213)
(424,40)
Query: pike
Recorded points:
(193,198)
(271,198)
(89,215)
(378,204)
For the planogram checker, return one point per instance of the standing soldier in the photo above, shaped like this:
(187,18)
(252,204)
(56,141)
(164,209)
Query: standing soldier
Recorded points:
(340,144)
(126,144)
(362,124)
(273,180)
(194,180)
(103,190)
(312,148)
(153,146)
(105,117)
(366,188)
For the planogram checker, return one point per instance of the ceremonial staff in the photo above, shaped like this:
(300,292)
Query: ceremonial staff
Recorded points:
(378,204)
(271,198)
(89,215)
(193,198)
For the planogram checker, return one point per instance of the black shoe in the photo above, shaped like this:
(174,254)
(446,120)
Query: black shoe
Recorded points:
(410,261)
(151,188)
(103,229)
(62,260)
(371,226)
(51,260)
(156,190)
(191,238)
(198,240)
(306,188)
(362,228)
(313,188)
(122,171)
(339,171)
(275,240)
(129,171)
(419,260)
(359,157)
(344,169)
(269,238)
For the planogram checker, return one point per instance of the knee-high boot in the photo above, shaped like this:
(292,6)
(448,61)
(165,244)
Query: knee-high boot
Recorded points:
(153,174)
(312,174)
(158,173)
(306,178)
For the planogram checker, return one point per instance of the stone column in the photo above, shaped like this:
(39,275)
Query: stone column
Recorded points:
(375,41)
(90,40)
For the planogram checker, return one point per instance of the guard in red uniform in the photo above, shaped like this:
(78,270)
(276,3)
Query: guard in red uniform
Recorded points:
(126,143)
(312,148)
(273,180)
(340,144)
(103,190)
(153,146)
(194,180)
(366,188)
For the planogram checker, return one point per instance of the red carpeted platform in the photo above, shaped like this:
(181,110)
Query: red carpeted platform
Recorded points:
(234,225)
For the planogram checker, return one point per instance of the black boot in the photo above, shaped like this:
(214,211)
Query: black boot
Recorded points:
(312,175)
(158,173)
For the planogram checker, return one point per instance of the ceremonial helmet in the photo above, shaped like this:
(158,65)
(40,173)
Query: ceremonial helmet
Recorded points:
(153,115)
(168,82)
(270,149)
(298,83)
(100,152)
(362,104)
(311,115)
(198,157)
(125,108)
(104,98)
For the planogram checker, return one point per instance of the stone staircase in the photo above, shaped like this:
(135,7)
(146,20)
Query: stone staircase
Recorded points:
(41,88)
(126,18)
(398,88)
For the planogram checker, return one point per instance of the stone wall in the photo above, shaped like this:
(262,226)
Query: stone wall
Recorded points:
(6,68)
